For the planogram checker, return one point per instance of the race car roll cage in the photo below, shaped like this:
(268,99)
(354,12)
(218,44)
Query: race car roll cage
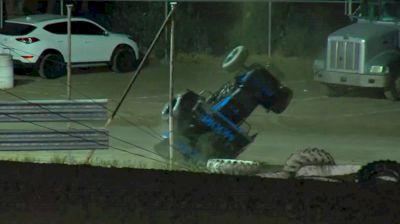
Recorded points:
(212,127)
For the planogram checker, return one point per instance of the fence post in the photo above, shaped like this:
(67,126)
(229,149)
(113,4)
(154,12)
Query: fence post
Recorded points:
(62,7)
(69,8)
(2,14)
(171,88)
(269,26)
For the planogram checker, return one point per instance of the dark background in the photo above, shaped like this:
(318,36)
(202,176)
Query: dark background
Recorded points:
(298,29)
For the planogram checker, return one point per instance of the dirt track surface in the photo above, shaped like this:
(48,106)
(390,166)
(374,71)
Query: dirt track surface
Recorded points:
(356,129)
(39,193)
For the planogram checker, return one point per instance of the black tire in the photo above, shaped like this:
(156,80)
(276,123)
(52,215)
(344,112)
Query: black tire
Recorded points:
(282,100)
(52,66)
(307,157)
(235,59)
(392,91)
(380,171)
(233,166)
(123,60)
(333,90)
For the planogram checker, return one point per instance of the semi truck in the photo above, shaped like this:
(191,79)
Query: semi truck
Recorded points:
(365,53)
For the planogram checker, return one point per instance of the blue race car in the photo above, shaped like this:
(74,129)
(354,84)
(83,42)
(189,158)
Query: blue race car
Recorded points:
(213,127)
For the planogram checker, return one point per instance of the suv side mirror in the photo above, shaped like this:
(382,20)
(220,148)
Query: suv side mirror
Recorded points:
(105,33)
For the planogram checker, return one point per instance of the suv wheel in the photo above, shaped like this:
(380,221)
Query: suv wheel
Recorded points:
(392,91)
(52,66)
(123,60)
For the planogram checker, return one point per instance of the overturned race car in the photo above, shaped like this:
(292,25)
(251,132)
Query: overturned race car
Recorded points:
(214,126)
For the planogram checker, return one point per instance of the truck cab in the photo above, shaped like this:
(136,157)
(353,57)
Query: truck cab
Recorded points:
(365,53)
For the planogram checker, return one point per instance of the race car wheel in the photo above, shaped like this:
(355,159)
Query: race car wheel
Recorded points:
(235,59)
(282,100)
(379,171)
(123,60)
(392,91)
(52,66)
(233,166)
(307,157)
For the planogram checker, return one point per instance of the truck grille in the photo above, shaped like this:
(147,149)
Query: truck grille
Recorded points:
(344,56)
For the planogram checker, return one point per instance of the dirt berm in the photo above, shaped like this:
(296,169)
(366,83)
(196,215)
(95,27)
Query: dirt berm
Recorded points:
(47,193)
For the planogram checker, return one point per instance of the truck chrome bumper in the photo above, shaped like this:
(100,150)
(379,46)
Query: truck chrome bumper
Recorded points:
(342,78)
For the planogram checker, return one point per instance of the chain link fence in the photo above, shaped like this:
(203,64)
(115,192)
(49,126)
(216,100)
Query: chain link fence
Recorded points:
(298,29)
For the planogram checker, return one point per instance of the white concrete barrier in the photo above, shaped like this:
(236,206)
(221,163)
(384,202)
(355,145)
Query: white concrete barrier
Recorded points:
(6,71)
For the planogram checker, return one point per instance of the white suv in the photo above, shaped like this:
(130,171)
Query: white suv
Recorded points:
(40,42)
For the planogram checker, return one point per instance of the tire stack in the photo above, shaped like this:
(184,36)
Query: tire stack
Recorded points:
(306,157)
(233,166)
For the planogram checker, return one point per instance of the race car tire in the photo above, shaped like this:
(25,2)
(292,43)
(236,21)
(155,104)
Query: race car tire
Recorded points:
(235,59)
(307,157)
(234,166)
(282,100)
(379,171)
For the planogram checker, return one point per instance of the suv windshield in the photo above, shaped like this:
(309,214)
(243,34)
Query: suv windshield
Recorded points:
(16,29)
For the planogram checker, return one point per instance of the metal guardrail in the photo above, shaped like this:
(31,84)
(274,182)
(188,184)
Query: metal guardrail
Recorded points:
(53,140)
(53,110)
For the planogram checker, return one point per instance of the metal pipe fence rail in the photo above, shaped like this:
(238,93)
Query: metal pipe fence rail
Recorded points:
(53,111)
(53,140)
